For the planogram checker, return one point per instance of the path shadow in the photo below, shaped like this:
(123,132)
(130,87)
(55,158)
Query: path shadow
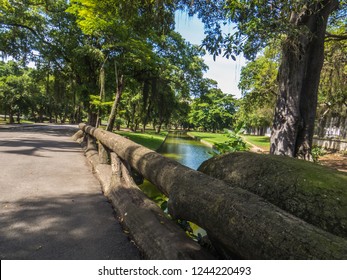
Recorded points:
(76,226)
(32,145)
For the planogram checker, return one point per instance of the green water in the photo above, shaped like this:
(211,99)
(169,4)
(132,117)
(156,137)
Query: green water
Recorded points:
(187,151)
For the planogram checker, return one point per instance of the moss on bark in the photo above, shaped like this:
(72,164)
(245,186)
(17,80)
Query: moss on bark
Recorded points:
(309,191)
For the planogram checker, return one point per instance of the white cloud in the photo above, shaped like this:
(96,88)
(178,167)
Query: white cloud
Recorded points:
(225,71)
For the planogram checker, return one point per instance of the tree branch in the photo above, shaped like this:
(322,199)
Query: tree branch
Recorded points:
(38,36)
(335,37)
(20,26)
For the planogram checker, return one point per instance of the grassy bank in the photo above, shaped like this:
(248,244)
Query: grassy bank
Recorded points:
(262,142)
(212,138)
(148,139)
(2,121)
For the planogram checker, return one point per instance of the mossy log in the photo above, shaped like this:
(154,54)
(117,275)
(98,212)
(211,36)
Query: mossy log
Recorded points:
(245,224)
(314,193)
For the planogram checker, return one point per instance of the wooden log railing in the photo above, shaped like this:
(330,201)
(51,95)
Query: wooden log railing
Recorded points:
(237,221)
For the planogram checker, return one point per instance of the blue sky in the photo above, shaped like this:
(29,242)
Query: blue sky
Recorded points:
(225,71)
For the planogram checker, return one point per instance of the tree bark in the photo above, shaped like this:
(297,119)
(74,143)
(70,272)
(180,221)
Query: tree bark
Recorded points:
(112,117)
(102,92)
(92,117)
(298,77)
(309,191)
(10,115)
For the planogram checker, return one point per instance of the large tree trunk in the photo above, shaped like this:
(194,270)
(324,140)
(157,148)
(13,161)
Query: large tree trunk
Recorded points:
(299,75)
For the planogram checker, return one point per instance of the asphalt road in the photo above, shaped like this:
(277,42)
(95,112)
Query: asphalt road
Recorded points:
(51,205)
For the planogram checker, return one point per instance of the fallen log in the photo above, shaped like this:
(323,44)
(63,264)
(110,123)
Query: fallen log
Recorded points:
(245,224)
(314,193)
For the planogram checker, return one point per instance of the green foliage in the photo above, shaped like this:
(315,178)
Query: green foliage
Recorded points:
(43,33)
(15,89)
(213,111)
(161,70)
(259,88)
(154,59)
(332,98)
(233,144)
(258,23)
(152,192)
(97,104)
(317,152)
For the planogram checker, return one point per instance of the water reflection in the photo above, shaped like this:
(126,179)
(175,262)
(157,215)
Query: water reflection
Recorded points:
(187,151)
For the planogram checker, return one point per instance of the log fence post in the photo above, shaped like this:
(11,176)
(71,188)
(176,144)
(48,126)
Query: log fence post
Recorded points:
(104,155)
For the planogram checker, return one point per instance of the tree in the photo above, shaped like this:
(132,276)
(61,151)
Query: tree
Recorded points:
(14,89)
(299,75)
(213,111)
(302,27)
(179,76)
(44,33)
(259,89)
(332,98)
(127,32)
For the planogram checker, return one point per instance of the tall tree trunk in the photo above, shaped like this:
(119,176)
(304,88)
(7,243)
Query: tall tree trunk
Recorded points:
(146,103)
(10,115)
(92,117)
(159,127)
(299,75)
(102,92)
(49,95)
(112,117)
(18,117)
(147,116)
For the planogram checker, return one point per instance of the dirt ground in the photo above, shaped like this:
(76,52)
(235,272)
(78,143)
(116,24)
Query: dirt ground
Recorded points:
(335,160)
(332,159)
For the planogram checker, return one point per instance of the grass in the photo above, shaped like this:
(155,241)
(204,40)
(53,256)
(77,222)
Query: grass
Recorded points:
(262,142)
(213,138)
(22,121)
(148,139)
(26,122)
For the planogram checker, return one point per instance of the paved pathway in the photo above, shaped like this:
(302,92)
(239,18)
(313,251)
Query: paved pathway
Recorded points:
(51,205)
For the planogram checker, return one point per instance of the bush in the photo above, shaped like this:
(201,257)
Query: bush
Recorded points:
(317,152)
(233,144)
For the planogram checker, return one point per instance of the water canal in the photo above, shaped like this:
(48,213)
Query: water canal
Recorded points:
(182,148)
(187,151)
